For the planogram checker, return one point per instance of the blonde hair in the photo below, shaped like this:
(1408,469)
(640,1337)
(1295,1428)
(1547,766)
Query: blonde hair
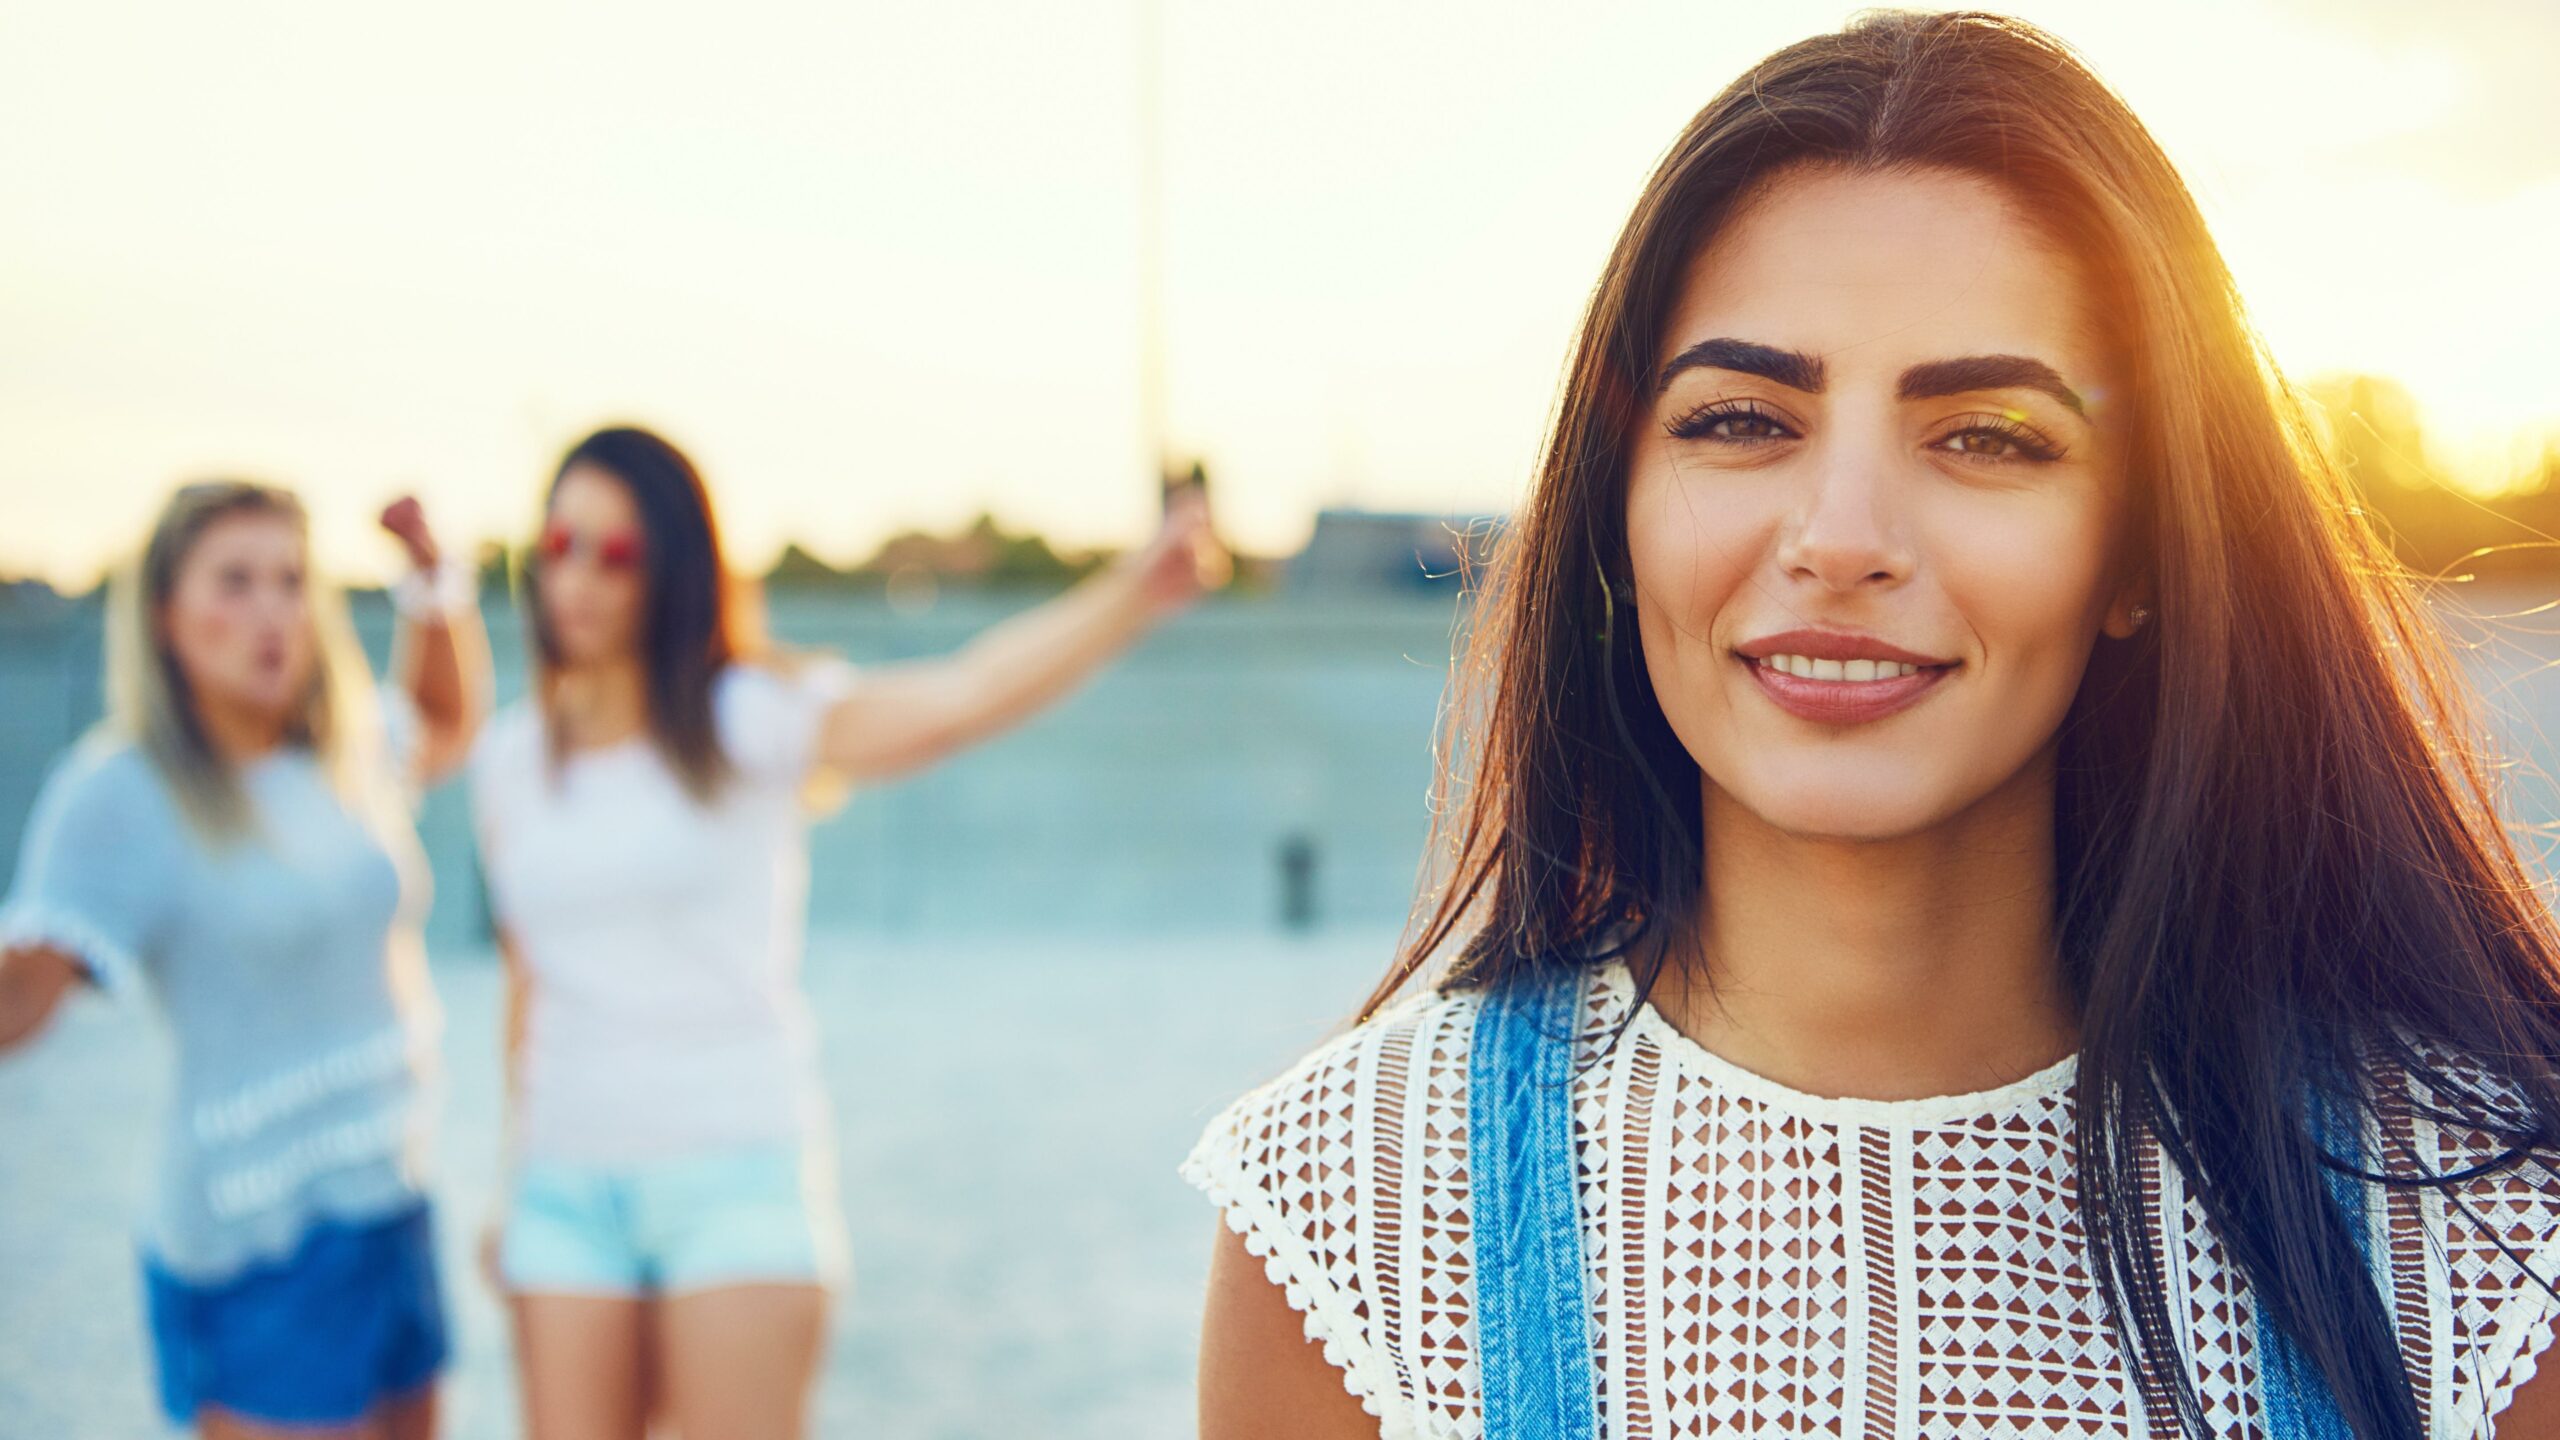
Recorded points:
(148,703)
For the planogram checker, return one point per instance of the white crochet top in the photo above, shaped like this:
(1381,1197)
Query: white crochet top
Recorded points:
(1764,1262)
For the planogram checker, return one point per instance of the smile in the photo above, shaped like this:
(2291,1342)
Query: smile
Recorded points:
(1805,667)
(1842,692)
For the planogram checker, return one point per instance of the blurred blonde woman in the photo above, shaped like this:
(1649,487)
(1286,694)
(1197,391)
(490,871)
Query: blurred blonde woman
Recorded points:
(235,841)
(671,1234)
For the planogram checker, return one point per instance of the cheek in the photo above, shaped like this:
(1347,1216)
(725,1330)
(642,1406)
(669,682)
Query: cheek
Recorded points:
(207,633)
(2029,582)
(618,597)
(301,640)
(1687,553)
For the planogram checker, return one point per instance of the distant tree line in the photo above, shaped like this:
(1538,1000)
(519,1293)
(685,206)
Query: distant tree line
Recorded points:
(2437,528)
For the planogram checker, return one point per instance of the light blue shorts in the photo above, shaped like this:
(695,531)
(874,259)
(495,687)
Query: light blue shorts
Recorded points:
(766,1215)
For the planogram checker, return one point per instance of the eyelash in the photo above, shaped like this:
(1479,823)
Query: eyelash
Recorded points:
(2030,446)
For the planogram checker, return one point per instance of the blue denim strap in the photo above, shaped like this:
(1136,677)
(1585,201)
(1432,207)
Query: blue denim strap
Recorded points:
(2298,1402)
(1533,1351)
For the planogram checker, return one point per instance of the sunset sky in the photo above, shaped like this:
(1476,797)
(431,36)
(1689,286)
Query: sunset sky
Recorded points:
(877,265)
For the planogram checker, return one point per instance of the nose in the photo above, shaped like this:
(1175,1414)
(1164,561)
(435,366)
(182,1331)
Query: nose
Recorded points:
(277,607)
(1846,533)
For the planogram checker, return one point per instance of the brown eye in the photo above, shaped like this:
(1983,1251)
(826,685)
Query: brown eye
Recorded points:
(1744,424)
(1744,427)
(2000,442)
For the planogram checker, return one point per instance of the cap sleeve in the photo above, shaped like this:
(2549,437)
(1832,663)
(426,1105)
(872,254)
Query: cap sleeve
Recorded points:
(1292,1168)
(506,763)
(770,716)
(97,866)
(2496,1237)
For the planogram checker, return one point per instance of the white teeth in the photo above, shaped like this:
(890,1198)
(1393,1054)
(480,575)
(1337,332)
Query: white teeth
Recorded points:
(1851,671)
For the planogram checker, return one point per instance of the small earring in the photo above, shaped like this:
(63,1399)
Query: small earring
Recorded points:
(2141,616)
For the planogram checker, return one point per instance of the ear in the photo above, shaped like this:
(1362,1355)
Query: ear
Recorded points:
(2122,620)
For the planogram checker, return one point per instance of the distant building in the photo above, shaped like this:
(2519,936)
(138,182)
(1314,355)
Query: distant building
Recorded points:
(1367,551)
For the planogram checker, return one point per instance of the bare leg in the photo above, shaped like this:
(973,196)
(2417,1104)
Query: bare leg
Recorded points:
(409,1417)
(738,1361)
(217,1424)
(582,1366)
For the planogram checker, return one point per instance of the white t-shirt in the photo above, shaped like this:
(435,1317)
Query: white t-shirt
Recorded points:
(662,935)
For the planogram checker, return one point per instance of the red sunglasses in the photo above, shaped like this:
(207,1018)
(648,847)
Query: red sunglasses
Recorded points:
(613,550)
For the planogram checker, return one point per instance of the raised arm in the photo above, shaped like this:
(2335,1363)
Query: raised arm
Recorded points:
(441,655)
(907,716)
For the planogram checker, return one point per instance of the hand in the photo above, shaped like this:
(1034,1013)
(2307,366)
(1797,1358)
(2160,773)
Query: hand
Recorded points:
(1184,559)
(406,519)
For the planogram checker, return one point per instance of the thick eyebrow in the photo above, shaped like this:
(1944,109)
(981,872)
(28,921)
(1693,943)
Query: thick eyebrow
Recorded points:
(1987,372)
(1798,371)
(1792,368)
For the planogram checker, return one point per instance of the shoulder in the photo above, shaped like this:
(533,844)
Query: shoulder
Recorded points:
(105,781)
(512,737)
(1361,1140)
(507,752)
(782,680)
(768,709)
(2491,1229)
(1294,1111)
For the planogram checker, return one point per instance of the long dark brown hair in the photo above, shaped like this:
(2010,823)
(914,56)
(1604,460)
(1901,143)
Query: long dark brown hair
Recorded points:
(2278,857)
(688,633)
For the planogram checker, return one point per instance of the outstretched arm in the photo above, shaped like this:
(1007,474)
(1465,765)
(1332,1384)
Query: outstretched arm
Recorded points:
(441,657)
(907,716)
(33,980)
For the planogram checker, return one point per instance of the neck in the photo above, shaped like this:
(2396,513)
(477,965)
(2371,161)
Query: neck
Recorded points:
(600,702)
(1879,969)
(236,735)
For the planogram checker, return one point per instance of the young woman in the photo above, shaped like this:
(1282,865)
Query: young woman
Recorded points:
(236,841)
(672,1233)
(1974,910)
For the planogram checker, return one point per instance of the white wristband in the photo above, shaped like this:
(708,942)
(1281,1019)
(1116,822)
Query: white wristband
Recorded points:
(440,593)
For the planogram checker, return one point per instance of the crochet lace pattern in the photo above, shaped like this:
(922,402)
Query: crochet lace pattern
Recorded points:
(1764,1262)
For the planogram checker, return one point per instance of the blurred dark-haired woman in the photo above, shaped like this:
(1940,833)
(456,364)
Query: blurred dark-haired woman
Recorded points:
(1972,907)
(671,1235)
(235,842)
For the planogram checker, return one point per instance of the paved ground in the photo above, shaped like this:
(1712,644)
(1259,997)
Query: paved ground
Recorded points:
(1010,1114)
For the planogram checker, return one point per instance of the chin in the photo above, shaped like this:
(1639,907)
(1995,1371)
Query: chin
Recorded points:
(1836,811)
(577,648)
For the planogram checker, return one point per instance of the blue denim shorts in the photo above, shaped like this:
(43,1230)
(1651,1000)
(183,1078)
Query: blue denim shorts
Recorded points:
(762,1215)
(353,1318)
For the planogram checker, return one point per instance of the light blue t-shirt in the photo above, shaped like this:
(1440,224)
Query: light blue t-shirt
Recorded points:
(288,967)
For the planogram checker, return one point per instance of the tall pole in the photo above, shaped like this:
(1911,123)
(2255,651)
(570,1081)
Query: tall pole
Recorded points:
(1151,348)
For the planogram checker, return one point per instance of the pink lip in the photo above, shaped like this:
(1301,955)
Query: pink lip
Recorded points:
(1839,702)
(1832,645)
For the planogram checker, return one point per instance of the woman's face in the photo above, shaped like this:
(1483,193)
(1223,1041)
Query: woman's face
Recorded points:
(1883,438)
(594,568)
(237,622)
